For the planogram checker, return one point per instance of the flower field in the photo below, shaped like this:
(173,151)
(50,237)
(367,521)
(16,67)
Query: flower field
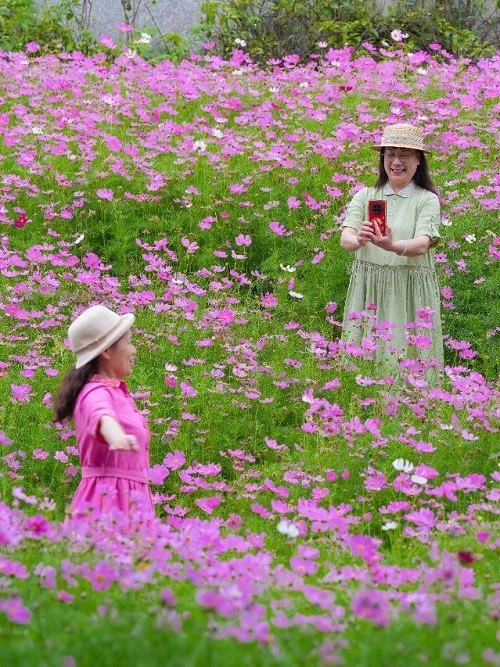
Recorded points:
(308,510)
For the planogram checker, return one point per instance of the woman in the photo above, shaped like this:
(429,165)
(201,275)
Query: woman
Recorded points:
(112,435)
(393,294)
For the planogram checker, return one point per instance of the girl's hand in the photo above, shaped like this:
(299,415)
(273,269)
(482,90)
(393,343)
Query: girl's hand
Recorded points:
(125,442)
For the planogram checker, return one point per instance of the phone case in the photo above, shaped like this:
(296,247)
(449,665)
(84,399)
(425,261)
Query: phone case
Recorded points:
(377,212)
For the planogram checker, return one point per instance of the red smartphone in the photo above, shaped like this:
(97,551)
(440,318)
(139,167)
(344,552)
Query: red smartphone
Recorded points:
(377,212)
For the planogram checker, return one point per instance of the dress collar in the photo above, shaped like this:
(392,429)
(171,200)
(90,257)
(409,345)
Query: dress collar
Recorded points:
(103,379)
(405,192)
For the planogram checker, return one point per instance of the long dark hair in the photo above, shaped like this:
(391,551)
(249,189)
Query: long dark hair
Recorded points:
(422,176)
(71,386)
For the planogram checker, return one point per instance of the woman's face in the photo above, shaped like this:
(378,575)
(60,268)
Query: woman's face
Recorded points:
(118,360)
(400,165)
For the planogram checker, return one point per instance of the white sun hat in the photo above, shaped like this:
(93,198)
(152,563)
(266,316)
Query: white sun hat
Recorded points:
(95,330)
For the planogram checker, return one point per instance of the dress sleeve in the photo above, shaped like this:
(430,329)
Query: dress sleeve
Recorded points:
(356,210)
(429,219)
(97,403)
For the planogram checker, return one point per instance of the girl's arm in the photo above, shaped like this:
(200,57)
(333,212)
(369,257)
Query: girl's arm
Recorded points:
(115,436)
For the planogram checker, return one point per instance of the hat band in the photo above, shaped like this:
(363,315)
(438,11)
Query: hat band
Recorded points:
(395,139)
(97,341)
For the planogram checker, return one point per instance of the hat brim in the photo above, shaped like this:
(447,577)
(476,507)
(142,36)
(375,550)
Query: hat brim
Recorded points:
(126,323)
(398,145)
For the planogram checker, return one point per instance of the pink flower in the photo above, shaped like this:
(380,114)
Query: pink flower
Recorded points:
(107,41)
(15,611)
(209,504)
(303,565)
(4,440)
(157,474)
(268,300)
(104,193)
(20,392)
(187,390)
(21,220)
(372,605)
(174,461)
(170,381)
(277,228)
(191,246)
(243,240)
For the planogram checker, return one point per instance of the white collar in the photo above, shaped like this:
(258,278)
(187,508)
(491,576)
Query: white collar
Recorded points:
(405,192)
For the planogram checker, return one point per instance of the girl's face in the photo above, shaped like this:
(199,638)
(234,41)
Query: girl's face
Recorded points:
(400,165)
(118,360)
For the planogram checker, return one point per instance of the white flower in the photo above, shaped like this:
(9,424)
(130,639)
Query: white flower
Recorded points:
(199,145)
(390,525)
(303,84)
(240,42)
(218,134)
(470,238)
(109,100)
(287,528)
(288,268)
(36,130)
(422,71)
(79,239)
(402,464)
(322,45)
(170,367)
(130,54)
(296,295)
(145,38)
(418,479)
(398,36)
(446,222)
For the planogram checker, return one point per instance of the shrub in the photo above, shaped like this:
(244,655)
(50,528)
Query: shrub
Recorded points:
(274,28)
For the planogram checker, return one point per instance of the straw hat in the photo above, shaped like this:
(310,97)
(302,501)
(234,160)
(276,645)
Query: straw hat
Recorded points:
(96,329)
(402,135)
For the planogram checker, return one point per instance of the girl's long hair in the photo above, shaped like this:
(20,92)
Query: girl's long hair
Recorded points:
(71,386)
(422,176)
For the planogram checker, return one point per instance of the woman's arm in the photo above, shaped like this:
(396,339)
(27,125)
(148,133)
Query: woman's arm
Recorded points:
(353,240)
(409,247)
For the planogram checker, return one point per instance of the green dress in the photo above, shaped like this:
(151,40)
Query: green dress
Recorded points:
(386,291)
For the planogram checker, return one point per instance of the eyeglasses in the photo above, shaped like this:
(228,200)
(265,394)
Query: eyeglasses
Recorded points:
(404,156)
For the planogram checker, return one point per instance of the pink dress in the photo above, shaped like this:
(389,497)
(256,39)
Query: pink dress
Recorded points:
(110,479)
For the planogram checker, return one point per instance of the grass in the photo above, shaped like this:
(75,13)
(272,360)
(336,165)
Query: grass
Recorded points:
(297,432)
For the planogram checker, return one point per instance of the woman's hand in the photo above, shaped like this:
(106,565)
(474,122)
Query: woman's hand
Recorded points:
(384,242)
(365,233)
